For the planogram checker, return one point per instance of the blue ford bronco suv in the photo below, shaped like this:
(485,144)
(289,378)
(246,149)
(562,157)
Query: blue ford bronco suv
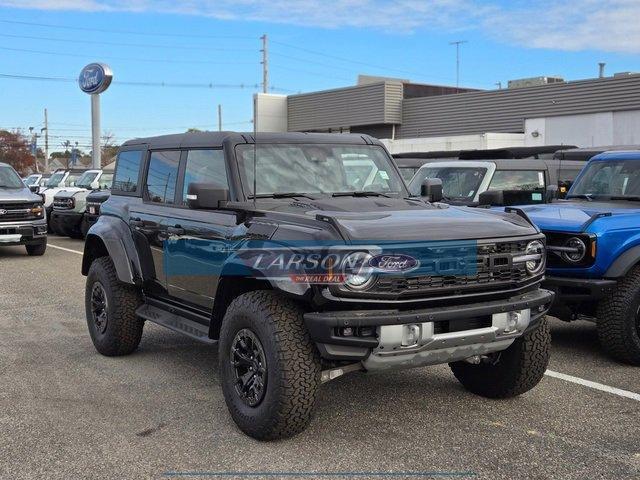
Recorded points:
(593,251)
(303,257)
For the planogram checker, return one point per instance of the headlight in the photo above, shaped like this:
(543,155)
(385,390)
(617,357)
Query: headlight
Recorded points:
(37,211)
(575,250)
(535,255)
(358,273)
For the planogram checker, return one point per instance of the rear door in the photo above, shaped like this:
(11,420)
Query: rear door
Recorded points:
(196,247)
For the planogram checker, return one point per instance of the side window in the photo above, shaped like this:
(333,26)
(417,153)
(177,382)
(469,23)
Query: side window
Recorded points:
(162,177)
(127,171)
(517,180)
(204,166)
(105,181)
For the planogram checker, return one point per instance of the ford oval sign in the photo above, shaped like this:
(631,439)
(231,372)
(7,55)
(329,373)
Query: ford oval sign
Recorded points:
(95,78)
(393,263)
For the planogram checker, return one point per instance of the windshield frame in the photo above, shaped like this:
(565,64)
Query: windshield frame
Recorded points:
(19,183)
(246,189)
(61,178)
(573,191)
(467,164)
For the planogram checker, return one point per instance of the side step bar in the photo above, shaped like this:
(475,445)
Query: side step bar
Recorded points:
(176,323)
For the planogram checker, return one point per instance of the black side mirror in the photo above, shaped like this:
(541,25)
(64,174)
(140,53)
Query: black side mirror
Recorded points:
(34,188)
(491,197)
(432,188)
(206,196)
(551,193)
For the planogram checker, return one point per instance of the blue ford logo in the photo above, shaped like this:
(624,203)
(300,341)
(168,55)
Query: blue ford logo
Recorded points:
(394,263)
(95,78)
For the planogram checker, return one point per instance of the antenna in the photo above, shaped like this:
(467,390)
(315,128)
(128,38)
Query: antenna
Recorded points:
(457,43)
(255,149)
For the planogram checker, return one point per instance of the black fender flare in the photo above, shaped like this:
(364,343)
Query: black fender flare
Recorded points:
(111,236)
(625,262)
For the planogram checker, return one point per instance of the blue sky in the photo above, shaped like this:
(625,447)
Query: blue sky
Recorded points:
(313,45)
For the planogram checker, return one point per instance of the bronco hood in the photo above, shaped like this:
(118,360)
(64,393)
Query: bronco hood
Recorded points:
(377,218)
(571,216)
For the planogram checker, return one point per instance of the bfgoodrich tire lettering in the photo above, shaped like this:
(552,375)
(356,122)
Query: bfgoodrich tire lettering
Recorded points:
(293,365)
(619,320)
(123,329)
(517,370)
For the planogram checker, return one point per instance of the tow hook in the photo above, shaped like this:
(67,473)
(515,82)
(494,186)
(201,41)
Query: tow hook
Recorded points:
(334,373)
(475,360)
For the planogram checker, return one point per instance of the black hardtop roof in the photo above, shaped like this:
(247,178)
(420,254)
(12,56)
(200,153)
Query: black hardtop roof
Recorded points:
(510,152)
(216,139)
(512,163)
(434,154)
(587,152)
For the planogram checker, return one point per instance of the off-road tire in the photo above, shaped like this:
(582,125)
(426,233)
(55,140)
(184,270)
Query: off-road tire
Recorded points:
(617,318)
(36,249)
(124,328)
(293,365)
(518,369)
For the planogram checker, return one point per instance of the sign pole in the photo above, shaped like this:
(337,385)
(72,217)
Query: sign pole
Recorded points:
(95,131)
(94,79)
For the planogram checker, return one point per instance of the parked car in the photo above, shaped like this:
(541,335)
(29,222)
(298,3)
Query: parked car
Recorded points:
(69,205)
(59,180)
(309,279)
(22,215)
(94,201)
(410,162)
(593,262)
(464,181)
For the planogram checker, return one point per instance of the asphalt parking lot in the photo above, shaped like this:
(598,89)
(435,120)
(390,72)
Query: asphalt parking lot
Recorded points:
(67,412)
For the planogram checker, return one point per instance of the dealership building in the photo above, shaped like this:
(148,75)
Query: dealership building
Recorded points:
(418,117)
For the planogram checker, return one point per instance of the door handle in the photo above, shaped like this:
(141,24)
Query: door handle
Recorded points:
(175,230)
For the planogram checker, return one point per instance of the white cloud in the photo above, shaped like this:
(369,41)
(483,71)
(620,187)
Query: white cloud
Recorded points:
(608,25)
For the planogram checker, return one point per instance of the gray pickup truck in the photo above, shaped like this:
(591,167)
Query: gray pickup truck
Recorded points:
(22,216)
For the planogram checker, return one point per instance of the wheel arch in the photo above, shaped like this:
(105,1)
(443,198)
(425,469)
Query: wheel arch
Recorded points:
(624,263)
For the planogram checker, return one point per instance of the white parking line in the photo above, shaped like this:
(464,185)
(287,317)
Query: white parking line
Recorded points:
(594,385)
(65,249)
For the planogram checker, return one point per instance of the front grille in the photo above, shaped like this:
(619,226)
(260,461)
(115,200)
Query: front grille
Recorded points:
(493,270)
(11,212)
(63,204)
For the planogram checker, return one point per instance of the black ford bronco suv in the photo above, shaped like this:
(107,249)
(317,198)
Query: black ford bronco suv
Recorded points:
(324,270)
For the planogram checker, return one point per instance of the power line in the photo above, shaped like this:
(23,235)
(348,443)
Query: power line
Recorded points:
(127,32)
(146,84)
(119,44)
(152,60)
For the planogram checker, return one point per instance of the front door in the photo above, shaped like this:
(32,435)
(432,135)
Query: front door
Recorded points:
(196,248)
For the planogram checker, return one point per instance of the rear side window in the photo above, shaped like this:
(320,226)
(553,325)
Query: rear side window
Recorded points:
(517,180)
(162,176)
(127,171)
(204,166)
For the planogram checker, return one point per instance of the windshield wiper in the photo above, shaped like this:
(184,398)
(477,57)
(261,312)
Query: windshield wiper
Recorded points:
(363,193)
(282,195)
(632,198)
(588,196)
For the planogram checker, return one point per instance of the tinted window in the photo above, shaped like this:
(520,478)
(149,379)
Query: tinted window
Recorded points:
(163,176)
(127,171)
(204,166)
(517,180)
(105,180)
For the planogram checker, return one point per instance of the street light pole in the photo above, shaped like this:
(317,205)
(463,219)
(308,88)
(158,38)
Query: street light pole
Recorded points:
(95,132)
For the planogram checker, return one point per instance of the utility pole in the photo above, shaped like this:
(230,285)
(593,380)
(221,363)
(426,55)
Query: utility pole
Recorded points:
(46,141)
(457,43)
(219,117)
(265,64)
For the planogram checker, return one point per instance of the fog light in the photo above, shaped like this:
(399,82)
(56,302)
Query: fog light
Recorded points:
(512,321)
(346,332)
(410,335)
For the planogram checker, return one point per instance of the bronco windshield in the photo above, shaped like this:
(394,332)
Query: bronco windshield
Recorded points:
(321,169)
(457,182)
(610,178)
(9,178)
(55,179)
(86,179)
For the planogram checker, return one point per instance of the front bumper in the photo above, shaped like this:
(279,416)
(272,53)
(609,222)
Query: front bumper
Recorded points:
(579,290)
(23,233)
(439,343)
(66,221)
